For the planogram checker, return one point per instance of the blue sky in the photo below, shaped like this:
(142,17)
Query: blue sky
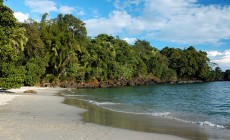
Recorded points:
(204,24)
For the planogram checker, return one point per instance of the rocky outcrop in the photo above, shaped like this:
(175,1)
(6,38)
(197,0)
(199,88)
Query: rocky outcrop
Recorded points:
(112,83)
(137,81)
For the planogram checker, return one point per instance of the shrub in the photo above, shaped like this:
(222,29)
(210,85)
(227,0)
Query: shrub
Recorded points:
(169,75)
(35,67)
(13,76)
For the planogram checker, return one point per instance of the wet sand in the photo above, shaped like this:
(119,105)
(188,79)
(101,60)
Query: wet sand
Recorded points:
(137,122)
(44,116)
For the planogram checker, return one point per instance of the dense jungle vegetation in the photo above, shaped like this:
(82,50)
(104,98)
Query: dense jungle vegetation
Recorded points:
(59,50)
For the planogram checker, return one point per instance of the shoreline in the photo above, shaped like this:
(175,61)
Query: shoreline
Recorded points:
(147,123)
(135,81)
(45,116)
(137,122)
(99,113)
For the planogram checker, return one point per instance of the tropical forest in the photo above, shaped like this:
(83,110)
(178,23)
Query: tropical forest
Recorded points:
(58,52)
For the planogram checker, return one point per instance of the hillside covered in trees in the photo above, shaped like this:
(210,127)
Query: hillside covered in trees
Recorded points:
(58,51)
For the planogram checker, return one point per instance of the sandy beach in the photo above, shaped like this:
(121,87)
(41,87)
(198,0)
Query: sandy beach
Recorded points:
(44,116)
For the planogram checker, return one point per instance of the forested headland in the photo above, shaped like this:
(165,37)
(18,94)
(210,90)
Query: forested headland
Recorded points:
(59,52)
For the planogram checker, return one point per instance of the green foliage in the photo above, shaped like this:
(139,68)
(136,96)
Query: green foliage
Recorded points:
(7,54)
(219,75)
(7,24)
(12,76)
(188,63)
(75,71)
(48,78)
(35,69)
(17,39)
(7,19)
(169,75)
(58,49)
(227,75)
(34,45)
(11,73)
(63,38)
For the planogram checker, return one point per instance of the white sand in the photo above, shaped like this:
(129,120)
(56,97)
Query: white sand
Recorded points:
(6,98)
(43,116)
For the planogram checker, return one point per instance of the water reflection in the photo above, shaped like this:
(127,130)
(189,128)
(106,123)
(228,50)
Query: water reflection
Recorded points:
(136,122)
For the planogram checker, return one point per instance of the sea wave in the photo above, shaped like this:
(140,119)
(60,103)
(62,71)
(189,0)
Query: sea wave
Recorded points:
(206,123)
(167,115)
(200,123)
(161,114)
(101,103)
(74,95)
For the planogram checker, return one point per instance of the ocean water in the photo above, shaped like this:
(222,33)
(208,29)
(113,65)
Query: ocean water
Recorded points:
(204,105)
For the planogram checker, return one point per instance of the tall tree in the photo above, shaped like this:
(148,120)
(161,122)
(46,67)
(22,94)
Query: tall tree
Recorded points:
(7,23)
(65,38)
(18,39)
(11,72)
(227,75)
(34,46)
(219,75)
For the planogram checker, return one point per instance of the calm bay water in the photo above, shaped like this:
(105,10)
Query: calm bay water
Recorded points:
(204,105)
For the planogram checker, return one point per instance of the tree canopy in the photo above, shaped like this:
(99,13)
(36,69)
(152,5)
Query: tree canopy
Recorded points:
(59,50)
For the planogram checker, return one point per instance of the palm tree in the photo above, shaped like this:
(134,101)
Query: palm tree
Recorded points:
(18,39)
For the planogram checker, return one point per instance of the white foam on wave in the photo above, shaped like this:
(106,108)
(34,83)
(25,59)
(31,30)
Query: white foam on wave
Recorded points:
(126,112)
(160,114)
(101,103)
(168,115)
(209,124)
(178,119)
(107,103)
(70,95)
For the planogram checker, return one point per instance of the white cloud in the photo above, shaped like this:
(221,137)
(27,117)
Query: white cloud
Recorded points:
(121,4)
(66,9)
(214,53)
(47,6)
(41,6)
(115,23)
(130,40)
(221,58)
(177,21)
(80,12)
(227,53)
(21,17)
(223,63)
(184,21)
